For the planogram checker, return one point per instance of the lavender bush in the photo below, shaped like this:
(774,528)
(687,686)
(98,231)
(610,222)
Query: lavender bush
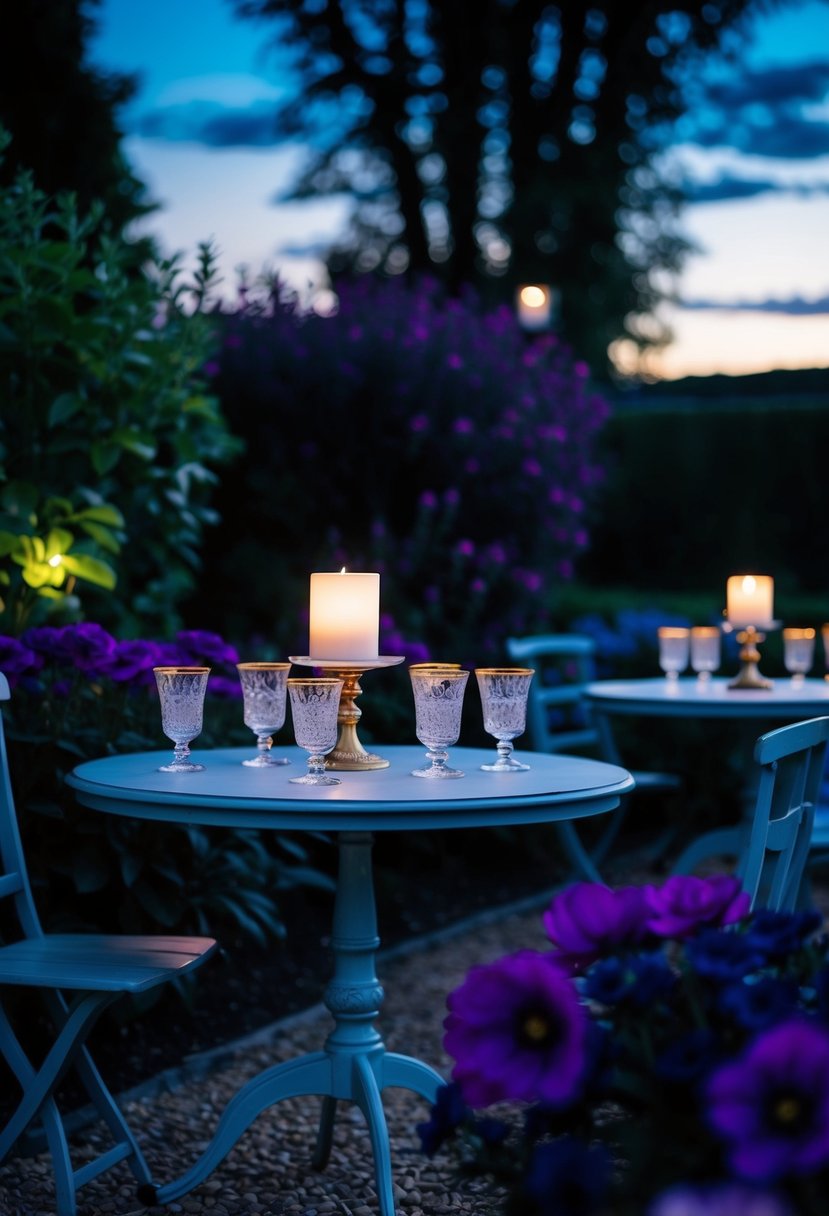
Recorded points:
(669,1056)
(409,433)
(79,693)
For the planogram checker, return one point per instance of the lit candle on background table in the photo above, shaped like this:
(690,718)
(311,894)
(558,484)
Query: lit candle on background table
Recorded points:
(750,601)
(344,616)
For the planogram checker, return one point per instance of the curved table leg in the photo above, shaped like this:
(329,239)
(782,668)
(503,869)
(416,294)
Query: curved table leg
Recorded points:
(353,1066)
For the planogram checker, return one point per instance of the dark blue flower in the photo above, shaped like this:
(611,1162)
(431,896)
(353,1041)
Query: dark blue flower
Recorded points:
(491,1131)
(760,1003)
(639,980)
(779,934)
(448,1112)
(688,1058)
(822,992)
(567,1178)
(723,955)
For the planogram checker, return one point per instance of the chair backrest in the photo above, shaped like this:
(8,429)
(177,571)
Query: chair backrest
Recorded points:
(14,879)
(557,720)
(791,761)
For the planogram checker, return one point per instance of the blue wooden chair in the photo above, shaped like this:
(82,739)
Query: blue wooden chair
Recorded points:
(558,721)
(791,761)
(79,975)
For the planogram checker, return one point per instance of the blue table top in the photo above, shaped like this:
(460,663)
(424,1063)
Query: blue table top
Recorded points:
(690,698)
(226,793)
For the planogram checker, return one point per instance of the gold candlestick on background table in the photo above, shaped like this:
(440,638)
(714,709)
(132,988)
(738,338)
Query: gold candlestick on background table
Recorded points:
(749,675)
(349,755)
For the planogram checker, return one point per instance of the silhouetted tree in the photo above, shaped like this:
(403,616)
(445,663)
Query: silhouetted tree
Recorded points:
(495,142)
(60,111)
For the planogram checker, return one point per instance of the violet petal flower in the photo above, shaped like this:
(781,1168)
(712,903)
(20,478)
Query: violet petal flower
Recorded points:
(719,1199)
(588,920)
(771,1105)
(517,1031)
(684,902)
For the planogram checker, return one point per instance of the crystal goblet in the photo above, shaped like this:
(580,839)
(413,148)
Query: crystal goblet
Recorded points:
(181,692)
(674,644)
(438,696)
(705,651)
(265,692)
(314,706)
(504,693)
(798,653)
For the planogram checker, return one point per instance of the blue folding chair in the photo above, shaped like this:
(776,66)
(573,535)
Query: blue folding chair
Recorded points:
(791,761)
(79,976)
(558,721)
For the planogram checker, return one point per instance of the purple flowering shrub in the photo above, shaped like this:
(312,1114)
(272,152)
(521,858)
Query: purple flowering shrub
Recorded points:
(417,435)
(79,693)
(668,1056)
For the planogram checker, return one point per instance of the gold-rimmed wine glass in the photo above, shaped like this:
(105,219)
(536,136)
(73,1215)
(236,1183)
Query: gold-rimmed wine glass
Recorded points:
(265,693)
(181,692)
(504,692)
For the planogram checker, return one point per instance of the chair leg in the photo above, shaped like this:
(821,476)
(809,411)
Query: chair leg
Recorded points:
(39,1085)
(576,853)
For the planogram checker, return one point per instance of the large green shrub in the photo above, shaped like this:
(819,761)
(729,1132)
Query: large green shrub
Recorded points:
(108,440)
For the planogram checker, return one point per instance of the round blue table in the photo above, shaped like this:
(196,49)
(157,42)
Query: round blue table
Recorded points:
(353,1064)
(754,710)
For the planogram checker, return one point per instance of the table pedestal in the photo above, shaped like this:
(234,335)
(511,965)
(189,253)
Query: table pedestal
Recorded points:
(353,1065)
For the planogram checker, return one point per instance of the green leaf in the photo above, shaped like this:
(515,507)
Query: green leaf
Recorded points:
(100,534)
(103,514)
(57,542)
(8,543)
(104,456)
(20,498)
(63,408)
(140,443)
(90,568)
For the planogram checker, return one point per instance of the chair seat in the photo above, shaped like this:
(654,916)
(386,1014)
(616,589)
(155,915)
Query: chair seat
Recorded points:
(90,962)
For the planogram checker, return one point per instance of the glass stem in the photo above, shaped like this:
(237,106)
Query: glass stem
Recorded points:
(316,766)
(264,743)
(504,751)
(438,758)
(182,751)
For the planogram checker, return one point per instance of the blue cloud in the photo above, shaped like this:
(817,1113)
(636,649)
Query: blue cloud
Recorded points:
(726,187)
(796,306)
(212,124)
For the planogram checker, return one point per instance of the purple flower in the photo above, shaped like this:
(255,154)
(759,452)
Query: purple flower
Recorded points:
(719,1199)
(565,1177)
(225,686)
(517,1030)
(48,640)
(89,645)
(15,657)
(206,647)
(129,660)
(588,920)
(684,902)
(771,1105)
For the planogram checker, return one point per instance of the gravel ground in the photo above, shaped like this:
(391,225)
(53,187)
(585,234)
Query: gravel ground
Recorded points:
(269,1171)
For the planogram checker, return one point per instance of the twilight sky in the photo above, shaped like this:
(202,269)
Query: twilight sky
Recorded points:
(753,151)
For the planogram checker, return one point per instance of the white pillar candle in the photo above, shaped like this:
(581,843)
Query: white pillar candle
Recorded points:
(750,600)
(344,616)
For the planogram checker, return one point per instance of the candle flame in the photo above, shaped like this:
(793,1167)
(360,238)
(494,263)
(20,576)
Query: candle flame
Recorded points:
(533,297)
(343,570)
(749,584)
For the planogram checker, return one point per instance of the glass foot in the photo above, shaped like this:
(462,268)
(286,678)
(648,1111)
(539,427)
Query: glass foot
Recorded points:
(186,767)
(312,779)
(437,770)
(505,766)
(266,762)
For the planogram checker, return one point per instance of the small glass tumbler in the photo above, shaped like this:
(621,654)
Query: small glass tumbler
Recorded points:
(438,696)
(504,693)
(314,707)
(265,692)
(674,647)
(181,692)
(798,653)
(705,651)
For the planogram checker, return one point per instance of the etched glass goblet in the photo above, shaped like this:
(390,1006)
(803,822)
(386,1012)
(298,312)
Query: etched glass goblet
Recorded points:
(438,696)
(705,651)
(674,644)
(504,693)
(265,692)
(798,653)
(181,692)
(314,707)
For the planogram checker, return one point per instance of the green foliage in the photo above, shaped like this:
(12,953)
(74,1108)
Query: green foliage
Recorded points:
(108,439)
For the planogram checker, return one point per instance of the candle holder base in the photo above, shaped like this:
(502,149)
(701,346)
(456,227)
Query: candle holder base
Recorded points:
(349,755)
(749,676)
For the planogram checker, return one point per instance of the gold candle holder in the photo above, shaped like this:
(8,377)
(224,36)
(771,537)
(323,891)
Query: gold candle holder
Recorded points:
(749,675)
(349,755)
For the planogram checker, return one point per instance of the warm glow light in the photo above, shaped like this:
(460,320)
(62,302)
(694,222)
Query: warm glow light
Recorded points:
(750,600)
(533,297)
(344,616)
(56,560)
